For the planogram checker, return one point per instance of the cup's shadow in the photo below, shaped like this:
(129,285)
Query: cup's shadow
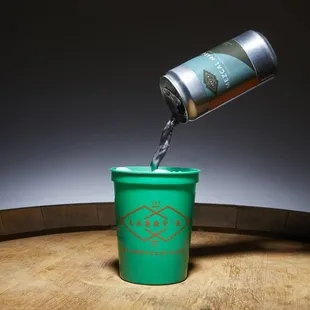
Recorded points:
(256,245)
(115,266)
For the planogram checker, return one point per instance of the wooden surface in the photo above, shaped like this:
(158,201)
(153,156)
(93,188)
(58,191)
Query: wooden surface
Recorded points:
(235,219)
(227,271)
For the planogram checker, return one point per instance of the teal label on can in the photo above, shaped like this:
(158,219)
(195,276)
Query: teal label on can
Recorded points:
(222,68)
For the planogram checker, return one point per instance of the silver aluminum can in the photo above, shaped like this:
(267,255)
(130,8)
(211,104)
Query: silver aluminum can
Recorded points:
(210,80)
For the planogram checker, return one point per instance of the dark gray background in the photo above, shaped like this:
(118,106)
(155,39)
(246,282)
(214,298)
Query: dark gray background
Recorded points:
(79,94)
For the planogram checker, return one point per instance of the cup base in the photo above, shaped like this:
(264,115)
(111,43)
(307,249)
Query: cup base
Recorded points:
(153,284)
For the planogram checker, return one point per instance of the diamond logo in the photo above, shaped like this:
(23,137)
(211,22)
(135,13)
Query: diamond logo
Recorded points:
(153,225)
(211,81)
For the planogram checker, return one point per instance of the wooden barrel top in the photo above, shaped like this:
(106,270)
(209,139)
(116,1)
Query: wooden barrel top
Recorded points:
(79,270)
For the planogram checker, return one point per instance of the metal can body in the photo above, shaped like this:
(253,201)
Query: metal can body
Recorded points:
(218,76)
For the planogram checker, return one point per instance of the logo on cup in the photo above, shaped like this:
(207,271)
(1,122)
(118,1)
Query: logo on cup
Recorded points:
(152,224)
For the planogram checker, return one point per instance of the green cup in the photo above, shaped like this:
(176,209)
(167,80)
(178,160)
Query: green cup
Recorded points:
(154,223)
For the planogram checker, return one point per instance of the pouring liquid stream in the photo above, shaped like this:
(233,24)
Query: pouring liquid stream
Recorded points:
(164,144)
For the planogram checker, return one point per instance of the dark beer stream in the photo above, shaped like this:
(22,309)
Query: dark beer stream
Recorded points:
(164,143)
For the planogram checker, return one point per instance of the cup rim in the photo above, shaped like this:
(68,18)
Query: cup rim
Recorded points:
(175,171)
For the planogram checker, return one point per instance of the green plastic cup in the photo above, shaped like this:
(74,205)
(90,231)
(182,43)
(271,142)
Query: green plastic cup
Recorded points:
(154,223)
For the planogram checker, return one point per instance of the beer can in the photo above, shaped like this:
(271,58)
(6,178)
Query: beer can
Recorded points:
(219,75)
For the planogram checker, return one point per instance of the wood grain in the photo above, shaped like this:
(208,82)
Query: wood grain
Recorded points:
(82,215)
(261,219)
(55,216)
(79,271)
(298,223)
(211,217)
(1,227)
(22,220)
(106,214)
(215,216)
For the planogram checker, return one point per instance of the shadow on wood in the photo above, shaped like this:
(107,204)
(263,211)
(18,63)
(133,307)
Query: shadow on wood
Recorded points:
(255,245)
